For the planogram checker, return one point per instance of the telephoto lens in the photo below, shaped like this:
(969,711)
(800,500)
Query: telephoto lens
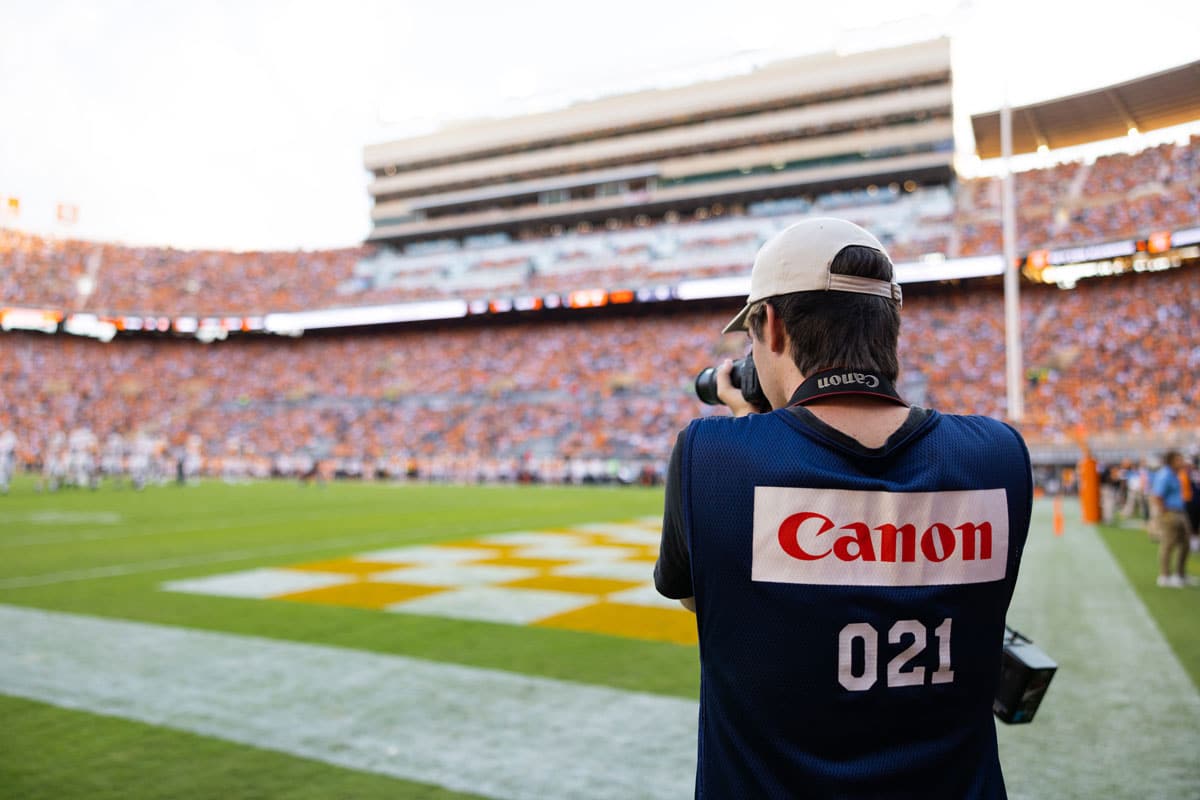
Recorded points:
(706,383)
(706,386)
(743,376)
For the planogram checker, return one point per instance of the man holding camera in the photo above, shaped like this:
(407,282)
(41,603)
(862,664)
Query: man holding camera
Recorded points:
(850,559)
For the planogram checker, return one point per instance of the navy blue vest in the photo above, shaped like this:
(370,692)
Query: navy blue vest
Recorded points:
(850,637)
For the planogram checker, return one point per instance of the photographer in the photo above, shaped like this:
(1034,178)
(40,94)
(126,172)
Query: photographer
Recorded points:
(850,559)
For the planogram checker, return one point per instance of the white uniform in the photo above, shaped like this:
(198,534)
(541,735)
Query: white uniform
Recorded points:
(8,459)
(233,466)
(54,462)
(112,462)
(140,460)
(193,459)
(81,459)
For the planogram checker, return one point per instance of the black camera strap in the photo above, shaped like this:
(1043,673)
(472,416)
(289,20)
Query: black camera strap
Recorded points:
(841,382)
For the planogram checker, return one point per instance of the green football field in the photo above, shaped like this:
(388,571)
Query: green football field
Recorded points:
(272,640)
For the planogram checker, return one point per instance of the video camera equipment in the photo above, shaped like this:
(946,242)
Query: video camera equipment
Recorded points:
(743,376)
(1025,673)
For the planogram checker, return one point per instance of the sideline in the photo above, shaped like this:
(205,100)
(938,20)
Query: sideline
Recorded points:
(486,732)
(1120,719)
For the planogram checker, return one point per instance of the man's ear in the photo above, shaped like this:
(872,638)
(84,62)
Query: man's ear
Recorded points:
(774,334)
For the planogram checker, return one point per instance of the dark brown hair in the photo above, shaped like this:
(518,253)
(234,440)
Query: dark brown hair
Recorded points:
(831,330)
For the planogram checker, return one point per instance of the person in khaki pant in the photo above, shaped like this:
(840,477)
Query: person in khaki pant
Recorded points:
(1170,506)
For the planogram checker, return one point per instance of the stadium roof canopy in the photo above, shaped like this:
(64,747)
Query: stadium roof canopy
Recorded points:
(1167,98)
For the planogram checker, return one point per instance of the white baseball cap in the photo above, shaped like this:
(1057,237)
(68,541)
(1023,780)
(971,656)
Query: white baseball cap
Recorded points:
(797,259)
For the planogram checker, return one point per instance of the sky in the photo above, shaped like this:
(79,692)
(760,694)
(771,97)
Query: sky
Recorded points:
(241,125)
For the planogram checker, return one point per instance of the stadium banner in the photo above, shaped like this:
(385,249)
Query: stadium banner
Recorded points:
(1185,237)
(654,294)
(290,322)
(939,269)
(906,272)
(1092,252)
(1158,242)
(30,319)
(713,287)
(90,325)
(1063,267)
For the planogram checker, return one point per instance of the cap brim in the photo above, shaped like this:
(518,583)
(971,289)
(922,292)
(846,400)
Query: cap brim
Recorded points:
(738,323)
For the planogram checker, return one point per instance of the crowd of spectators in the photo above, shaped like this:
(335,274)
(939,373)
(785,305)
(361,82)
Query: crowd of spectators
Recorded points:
(1120,360)
(1117,196)
(70,275)
(1114,354)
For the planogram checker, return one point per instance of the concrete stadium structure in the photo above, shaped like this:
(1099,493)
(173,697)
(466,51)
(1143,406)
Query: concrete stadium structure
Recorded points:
(793,128)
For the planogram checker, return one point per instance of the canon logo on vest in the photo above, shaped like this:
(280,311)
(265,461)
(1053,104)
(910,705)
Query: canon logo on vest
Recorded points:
(837,537)
(849,379)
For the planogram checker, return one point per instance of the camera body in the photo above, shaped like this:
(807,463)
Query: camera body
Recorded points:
(743,376)
(1025,673)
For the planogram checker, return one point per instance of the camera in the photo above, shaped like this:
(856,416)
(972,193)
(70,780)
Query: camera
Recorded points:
(1025,673)
(743,376)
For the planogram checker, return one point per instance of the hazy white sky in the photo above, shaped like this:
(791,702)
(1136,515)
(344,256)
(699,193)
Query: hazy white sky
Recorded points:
(241,124)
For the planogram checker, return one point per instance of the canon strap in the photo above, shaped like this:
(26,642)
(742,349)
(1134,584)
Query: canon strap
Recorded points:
(840,382)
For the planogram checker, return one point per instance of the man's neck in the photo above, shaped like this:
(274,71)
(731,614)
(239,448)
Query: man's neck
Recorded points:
(868,421)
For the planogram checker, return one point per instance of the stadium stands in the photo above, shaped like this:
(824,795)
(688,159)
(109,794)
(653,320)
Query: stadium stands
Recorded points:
(502,399)
(1117,196)
(77,275)
(1068,204)
(473,400)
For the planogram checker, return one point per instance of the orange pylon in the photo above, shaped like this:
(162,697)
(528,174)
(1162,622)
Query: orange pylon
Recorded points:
(1058,516)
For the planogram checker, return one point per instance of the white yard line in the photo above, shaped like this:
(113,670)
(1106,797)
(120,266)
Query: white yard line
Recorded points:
(220,523)
(53,517)
(222,557)
(491,733)
(197,526)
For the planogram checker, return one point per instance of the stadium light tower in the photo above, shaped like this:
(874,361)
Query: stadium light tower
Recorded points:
(1012,300)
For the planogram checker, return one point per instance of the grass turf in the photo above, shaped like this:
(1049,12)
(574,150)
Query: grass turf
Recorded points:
(71,754)
(62,561)
(105,553)
(1176,611)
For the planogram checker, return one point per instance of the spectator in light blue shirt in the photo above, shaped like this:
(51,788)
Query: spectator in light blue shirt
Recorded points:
(1168,504)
